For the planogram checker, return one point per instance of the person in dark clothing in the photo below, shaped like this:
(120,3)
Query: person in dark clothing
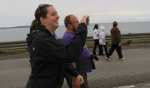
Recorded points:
(116,41)
(48,55)
(96,40)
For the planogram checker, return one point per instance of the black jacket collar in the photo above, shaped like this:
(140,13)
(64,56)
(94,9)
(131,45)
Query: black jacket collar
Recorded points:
(42,28)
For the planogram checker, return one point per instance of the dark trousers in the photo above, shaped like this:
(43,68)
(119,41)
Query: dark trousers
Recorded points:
(42,83)
(68,78)
(103,47)
(118,49)
(96,44)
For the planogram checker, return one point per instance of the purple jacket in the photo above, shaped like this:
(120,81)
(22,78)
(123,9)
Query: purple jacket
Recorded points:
(85,56)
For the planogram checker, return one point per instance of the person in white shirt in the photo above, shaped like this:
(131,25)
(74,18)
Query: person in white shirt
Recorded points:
(95,38)
(102,41)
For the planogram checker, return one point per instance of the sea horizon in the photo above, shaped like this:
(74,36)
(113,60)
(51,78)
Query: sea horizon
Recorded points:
(19,33)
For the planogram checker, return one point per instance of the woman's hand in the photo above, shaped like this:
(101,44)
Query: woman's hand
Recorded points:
(80,78)
(85,19)
(78,81)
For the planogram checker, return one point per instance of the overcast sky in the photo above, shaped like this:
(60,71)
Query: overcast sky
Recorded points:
(20,12)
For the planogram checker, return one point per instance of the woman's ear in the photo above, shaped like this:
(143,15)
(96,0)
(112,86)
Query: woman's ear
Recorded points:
(42,20)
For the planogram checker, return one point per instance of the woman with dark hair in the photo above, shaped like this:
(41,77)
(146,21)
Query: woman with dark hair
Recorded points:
(95,26)
(96,39)
(47,54)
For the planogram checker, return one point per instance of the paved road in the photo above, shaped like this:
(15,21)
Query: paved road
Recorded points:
(14,72)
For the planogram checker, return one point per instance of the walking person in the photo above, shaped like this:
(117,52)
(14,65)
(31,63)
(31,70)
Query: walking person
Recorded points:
(96,39)
(116,41)
(84,63)
(47,54)
(103,42)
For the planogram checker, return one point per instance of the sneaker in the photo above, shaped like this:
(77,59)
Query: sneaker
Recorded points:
(123,59)
(108,59)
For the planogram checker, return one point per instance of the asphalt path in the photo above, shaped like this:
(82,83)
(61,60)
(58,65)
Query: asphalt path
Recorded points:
(15,70)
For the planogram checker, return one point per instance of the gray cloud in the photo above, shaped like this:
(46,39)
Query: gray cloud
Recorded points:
(20,12)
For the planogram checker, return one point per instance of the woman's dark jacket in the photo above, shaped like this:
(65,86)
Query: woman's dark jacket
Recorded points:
(48,56)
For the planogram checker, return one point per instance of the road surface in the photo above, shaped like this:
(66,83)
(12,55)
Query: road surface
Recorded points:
(14,71)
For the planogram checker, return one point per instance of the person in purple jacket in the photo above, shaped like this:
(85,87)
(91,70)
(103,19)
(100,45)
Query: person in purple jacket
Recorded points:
(85,62)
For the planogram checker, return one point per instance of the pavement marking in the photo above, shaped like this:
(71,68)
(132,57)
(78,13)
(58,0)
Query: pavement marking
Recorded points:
(130,86)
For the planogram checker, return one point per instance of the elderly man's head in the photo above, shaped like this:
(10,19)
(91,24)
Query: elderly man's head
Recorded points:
(71,22)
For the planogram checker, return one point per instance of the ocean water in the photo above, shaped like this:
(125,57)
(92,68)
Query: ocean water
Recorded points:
(20,33)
